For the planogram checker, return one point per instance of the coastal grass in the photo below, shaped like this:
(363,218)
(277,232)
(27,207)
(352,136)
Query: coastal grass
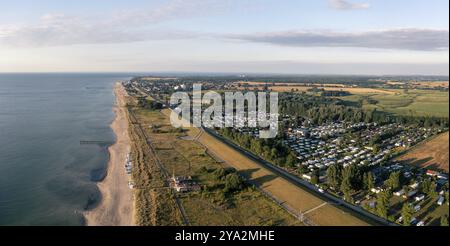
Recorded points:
(154,202)
(181,155)
(245,208)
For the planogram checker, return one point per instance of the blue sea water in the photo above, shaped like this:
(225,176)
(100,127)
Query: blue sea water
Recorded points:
(46,176)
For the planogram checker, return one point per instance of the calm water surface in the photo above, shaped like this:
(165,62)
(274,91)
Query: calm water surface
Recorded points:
(46,176)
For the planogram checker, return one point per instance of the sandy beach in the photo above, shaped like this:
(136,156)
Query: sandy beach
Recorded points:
(117,205)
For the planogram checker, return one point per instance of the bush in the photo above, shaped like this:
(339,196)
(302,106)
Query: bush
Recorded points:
(233,182)
(219,173)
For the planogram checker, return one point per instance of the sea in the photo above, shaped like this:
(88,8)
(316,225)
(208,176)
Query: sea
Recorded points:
(47,176)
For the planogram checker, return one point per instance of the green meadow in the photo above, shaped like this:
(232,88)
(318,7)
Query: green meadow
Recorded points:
(409,103)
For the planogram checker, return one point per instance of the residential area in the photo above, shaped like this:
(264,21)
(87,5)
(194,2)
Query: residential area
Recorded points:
(352,160)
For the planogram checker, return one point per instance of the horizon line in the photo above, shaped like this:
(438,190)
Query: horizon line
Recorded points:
(149,73)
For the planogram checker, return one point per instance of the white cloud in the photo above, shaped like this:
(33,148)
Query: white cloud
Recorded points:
(347,5)
(126,26)
(398,39)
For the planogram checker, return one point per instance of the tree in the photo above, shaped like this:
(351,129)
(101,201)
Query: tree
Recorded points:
(346,185)
(429,187)
(376,149)
(394,181)
(302,169)
(432,191)
(334,176)
(220,173)
(349,178)
(407,214)
(444,220)
(348,196)
(315,177)
(446,196)
(383,204)
(233,182)
(369,181)
(290,160)
(406,190)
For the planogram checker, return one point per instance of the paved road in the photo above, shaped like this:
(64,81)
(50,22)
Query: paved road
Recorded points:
(302,183)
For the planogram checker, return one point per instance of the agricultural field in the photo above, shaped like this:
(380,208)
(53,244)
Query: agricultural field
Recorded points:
(330,87)
(433,154)
(255,83)
(181,155)
(433,84)
(413,102)
(407,103)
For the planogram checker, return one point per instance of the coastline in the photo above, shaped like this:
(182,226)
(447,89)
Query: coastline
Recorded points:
(117,205)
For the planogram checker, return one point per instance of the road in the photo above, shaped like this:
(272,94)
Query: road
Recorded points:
(302,183)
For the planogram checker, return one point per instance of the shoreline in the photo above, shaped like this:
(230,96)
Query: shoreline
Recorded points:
(116,207)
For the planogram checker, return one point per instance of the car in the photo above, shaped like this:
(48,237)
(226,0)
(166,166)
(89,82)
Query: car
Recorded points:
(421,223)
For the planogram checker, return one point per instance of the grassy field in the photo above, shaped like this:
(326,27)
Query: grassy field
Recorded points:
(433,154)
(182,156)
(430,211)
(396,101)
(294,197)
(408,103)
(154,204)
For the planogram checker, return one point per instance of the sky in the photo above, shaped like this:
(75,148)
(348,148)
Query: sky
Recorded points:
(376,37)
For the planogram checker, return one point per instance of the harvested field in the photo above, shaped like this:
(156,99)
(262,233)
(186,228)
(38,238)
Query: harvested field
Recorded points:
(304,88)
(433,84)
(157,78)
(433,154)
(285,84)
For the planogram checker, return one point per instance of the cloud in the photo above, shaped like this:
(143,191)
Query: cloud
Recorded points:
(121,27)
(310,68)
(397,39)
(346,5)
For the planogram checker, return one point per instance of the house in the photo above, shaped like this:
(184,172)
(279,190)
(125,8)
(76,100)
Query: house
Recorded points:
(419,198)
(376,190)
(417,208)
(432,173)
(410,194)
(183,184)
(441,201)
(307,176)
(442,176)
(414,186)
(399,193)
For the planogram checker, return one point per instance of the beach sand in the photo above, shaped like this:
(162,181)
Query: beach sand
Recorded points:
(117,205)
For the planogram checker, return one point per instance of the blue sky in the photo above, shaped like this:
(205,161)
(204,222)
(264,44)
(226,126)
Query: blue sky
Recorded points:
(278,36)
